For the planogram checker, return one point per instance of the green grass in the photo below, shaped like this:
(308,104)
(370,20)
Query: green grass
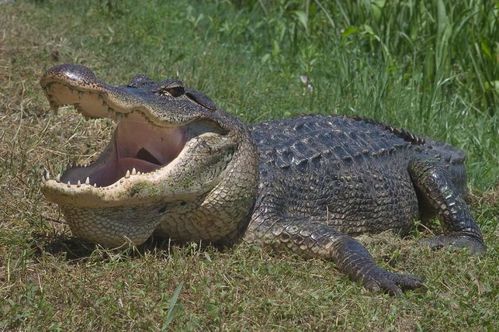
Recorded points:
(430,67)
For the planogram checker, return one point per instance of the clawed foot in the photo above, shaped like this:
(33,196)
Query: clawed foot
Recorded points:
(393,283)
(475,246)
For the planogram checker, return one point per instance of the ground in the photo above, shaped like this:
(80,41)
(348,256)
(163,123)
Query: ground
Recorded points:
(50,280)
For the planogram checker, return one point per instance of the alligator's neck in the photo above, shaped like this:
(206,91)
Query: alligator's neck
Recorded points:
(224,213)
(239,188)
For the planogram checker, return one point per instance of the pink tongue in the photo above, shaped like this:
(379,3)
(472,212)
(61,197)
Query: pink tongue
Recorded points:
(140,165)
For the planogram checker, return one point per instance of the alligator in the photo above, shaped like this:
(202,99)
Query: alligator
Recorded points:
(179,167)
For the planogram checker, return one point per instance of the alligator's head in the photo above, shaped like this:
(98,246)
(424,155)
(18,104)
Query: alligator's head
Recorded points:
(175,164)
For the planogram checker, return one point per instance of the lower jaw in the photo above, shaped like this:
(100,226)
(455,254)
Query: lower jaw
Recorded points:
(113,226)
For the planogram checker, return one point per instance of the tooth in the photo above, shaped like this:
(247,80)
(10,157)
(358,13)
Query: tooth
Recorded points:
(134,171)
(87,181)
(78,183)
(58,177)
(69,184)
(95,184)
(127,175)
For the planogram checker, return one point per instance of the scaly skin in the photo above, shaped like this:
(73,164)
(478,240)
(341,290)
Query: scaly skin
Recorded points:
(324,179)
(308,184)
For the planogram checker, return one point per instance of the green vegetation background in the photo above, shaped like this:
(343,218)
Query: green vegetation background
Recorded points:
(428,66)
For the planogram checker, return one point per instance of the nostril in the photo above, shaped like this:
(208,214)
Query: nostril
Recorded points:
(147,156)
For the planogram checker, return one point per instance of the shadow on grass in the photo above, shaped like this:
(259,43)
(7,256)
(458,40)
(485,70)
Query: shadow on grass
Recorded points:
(74,249)
(62,245)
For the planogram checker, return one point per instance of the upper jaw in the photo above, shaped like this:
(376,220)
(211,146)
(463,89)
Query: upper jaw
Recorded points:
(76,85)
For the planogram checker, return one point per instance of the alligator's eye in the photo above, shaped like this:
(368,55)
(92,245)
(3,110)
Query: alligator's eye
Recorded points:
(173,88)
(175,91)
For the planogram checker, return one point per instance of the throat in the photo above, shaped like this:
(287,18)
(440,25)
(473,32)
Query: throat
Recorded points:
(145,155)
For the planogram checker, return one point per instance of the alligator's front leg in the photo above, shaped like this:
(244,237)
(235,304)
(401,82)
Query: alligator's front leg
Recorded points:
(320,240)
(435,186)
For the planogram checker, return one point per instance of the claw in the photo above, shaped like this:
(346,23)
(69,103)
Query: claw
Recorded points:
(392,283)
(475,246)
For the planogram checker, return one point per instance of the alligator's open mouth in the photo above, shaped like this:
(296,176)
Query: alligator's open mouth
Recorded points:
(155,138)
(137,147)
